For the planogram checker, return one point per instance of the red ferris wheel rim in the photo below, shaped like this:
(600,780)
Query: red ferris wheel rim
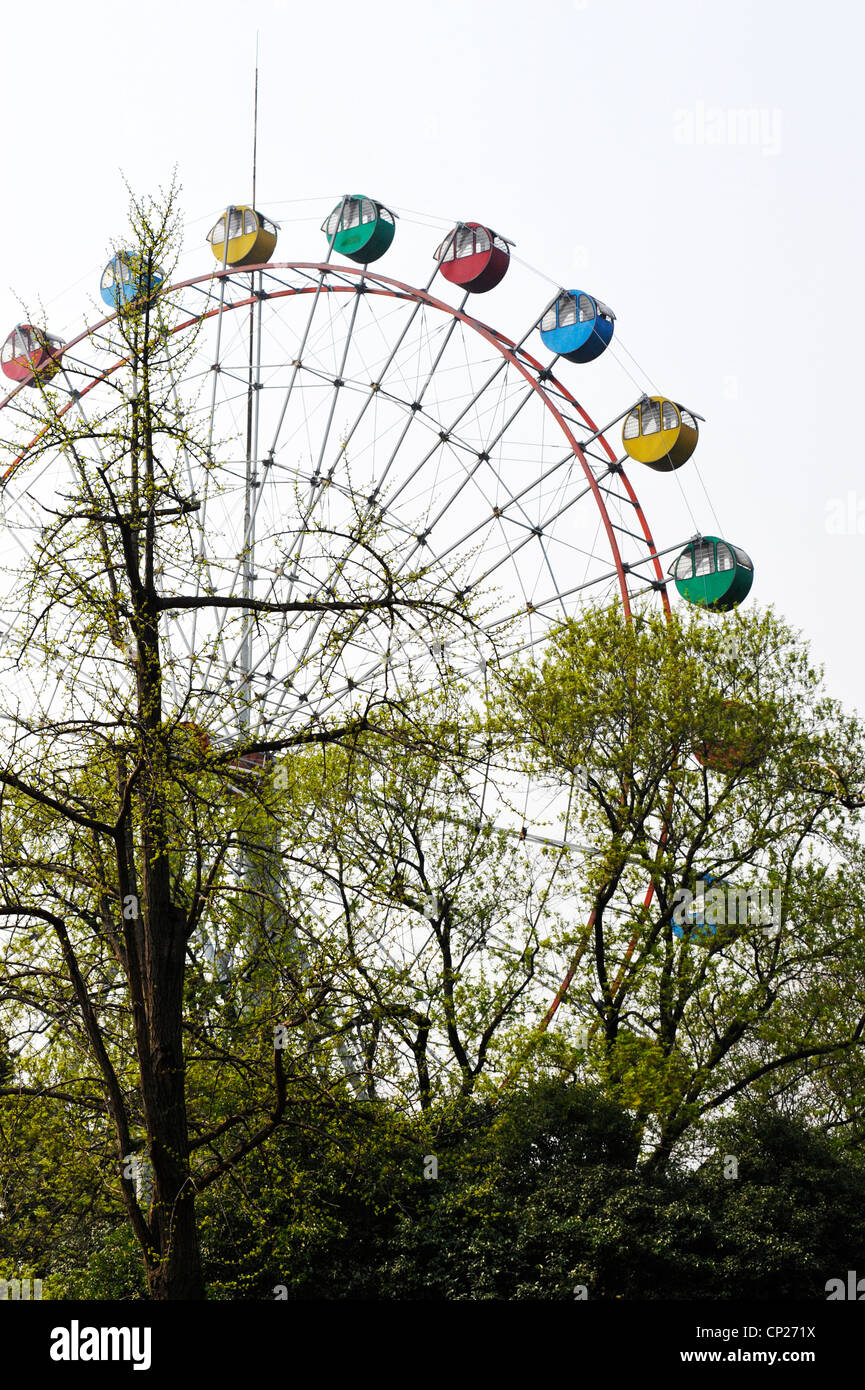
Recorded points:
(532,371)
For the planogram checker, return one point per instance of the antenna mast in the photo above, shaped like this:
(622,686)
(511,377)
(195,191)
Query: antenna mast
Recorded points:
(251,433)
(255,122)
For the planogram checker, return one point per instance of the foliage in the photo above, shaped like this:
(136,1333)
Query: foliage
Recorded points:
(535,1195)
(685,1015)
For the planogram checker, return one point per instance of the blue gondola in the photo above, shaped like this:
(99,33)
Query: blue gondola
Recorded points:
(695,910)
(577,326)
(122,282)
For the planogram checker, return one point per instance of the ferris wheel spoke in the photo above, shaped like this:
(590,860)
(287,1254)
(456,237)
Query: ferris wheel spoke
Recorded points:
(411,418)
(416,405)
(321,484)
(216,364)
(301,349)
(496,510)
(381,479)
(539,531)
(609,577)
(485,457)
(203,572)
(415,311)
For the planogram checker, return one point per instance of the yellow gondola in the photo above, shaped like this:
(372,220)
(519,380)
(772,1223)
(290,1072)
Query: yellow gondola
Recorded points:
(251,237)
(660,433)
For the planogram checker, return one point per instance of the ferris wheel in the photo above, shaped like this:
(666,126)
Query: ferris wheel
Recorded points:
(335,400)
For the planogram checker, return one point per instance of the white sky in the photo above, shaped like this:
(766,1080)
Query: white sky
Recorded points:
(588,132)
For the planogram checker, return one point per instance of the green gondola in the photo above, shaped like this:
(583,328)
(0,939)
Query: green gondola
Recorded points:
(711,573)
(359,228)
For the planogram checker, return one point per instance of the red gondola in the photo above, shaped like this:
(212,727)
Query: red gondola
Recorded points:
(742,743)
(29,353)
(474,257)
(196,735)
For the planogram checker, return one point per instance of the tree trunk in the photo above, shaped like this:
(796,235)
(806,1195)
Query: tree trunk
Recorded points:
(174,1271)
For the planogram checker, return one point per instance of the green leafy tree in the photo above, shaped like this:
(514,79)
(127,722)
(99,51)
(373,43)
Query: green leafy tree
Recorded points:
(538,1195)
(691,750)
(438,911)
